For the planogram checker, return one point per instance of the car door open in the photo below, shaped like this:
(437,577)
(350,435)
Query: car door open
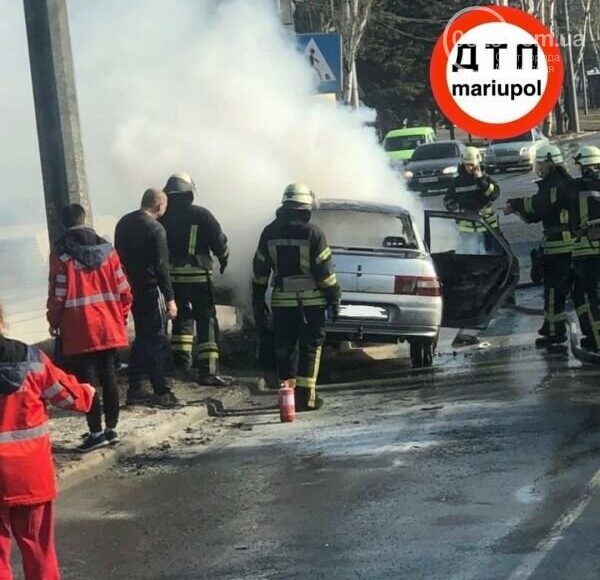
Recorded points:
(475,264)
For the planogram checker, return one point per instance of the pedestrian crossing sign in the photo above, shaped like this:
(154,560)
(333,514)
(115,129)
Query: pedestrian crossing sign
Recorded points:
(323,53)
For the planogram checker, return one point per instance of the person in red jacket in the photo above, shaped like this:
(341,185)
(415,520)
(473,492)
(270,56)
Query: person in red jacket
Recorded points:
(28,382)
(89,299)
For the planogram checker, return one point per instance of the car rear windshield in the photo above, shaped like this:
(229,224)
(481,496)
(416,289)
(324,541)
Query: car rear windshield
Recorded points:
(435,151)
(362,229)
(522,137)
(404,143)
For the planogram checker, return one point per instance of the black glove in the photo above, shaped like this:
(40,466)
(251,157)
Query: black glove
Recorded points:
(451,204)
(223,262)
(334,311)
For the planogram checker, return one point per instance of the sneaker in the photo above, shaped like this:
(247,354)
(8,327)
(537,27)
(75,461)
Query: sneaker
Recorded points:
(215,381)
(168,400)
(92,442)
(138,397)
(111,436)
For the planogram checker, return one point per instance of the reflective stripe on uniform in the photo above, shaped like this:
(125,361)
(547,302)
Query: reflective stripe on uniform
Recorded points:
(528,204)
(261,280)
(465,188)
(310,382)
(258,256)
(192,240)
(123,286)
(52,390)
(309,298)
(61,278)
(305,259)
(66,403)
(25,434)
(182,342)
(189,275)
(553,195)
(60,292)
(328,282)
(324,255)
(94,299)
(489,190)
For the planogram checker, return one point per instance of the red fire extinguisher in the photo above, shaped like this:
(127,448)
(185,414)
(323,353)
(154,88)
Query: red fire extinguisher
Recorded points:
(287,403)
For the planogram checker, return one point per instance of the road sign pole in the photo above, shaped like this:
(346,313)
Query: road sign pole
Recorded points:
(57,117)
(571,89)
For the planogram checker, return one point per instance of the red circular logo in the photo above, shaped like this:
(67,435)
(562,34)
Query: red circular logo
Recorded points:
(496,71)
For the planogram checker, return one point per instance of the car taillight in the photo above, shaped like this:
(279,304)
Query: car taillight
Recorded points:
(417,285)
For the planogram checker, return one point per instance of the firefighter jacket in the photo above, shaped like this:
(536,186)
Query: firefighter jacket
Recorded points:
(88,294)
(193,233)
(584,208)
(295,250)
(548,206)
(28,382)
(474,195)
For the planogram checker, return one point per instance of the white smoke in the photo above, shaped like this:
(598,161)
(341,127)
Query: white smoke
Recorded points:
(216,89)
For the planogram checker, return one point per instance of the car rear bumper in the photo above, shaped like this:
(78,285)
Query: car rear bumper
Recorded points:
(408,317)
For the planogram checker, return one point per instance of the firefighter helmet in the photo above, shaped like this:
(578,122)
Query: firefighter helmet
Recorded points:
(588,155)
(471,155)
(299,196)
(180,183)
(549,153)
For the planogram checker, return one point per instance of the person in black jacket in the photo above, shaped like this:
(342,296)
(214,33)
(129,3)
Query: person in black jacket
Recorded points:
(141,243)
(548,206)
(193,234)
(296,253)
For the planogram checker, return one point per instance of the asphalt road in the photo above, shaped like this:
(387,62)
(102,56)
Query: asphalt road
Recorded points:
(481,469)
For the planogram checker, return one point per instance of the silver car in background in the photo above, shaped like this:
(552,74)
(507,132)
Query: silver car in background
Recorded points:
(515,152)
(395,290)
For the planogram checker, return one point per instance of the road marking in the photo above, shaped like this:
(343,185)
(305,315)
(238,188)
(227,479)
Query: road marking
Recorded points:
(567,519)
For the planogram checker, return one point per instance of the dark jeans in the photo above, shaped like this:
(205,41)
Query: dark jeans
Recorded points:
(147,355)
(98,369)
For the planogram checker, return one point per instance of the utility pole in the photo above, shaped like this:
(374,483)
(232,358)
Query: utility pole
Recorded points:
(285,9)
(56,112)
(571,89)
(586,109)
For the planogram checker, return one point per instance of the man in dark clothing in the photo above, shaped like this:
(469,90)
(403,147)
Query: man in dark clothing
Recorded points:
(304,285)
(193,234)
(548,206)
(142,245)
(88,303)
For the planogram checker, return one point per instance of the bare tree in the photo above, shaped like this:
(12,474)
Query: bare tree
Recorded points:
(351,19)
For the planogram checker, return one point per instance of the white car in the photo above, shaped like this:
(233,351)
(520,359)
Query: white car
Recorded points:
(396,290)
(515,152)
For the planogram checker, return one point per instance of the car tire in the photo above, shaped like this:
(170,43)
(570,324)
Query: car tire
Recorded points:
(421,353)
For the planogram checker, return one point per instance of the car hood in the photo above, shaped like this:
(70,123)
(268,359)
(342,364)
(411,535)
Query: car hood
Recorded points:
(402,155)
(509,146)
(432,164)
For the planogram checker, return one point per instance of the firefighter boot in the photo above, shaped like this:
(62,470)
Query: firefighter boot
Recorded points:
(303,397)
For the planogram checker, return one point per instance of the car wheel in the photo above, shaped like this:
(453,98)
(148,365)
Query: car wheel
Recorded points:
(421,353)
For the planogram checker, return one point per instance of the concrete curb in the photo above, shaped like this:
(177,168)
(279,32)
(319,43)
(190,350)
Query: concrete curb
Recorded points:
(94,463)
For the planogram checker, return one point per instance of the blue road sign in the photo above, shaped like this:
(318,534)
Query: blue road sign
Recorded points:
(324,54)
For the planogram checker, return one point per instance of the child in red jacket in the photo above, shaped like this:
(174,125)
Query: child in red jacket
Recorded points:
(28,382)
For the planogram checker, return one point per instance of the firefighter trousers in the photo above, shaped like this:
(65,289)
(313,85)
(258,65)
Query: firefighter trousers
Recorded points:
(587,271)
(557,285)
(298,347)
(196,309)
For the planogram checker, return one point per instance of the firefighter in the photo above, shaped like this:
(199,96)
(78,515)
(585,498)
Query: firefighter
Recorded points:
(193,234)
(547,206)
(473,191)
(584,203)
(304,285)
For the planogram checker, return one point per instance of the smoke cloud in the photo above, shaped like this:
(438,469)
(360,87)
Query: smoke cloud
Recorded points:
(216,89)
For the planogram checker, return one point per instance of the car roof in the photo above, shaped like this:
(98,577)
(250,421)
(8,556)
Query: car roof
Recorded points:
(442,142)
(366,206)
(409,131)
